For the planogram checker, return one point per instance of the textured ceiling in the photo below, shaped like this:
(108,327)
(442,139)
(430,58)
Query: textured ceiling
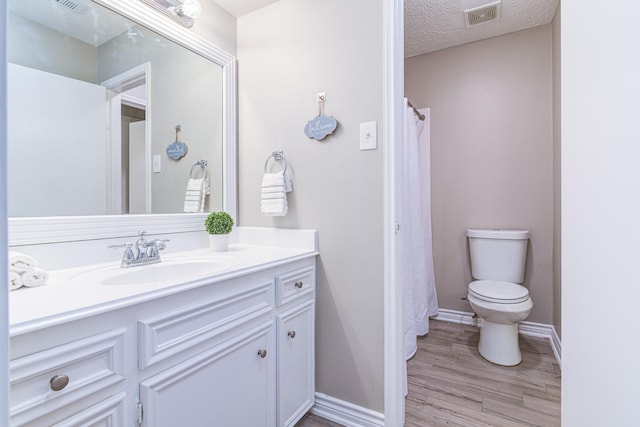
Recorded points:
(437,24)
(429,24)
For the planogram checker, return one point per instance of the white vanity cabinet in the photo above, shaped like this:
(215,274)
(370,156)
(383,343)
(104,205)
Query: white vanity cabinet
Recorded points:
(295,294)
(233,352)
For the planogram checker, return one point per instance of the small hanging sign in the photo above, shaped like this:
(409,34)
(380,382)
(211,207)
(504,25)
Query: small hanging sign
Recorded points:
(320,126)
(177,149)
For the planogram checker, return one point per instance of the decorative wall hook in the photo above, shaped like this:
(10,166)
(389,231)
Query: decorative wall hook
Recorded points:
(177,149)
(320,126)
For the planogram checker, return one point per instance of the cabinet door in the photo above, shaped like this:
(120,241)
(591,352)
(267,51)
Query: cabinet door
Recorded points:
(229,385)
(296,358)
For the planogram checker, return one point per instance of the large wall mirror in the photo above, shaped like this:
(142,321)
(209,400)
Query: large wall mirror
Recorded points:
(98,91)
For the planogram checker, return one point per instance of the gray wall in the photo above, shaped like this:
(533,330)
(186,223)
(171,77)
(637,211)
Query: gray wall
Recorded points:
(36,46)
(492,154)
(287,52)
(217,26)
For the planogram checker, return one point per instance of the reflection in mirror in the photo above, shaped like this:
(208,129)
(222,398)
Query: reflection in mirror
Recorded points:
(93,103)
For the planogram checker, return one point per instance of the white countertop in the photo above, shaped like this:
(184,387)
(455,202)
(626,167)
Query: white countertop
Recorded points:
(70,295)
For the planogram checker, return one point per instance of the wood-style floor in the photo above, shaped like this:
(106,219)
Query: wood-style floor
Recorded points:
(450,384)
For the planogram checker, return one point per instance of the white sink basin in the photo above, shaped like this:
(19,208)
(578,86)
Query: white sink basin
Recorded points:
(176,271)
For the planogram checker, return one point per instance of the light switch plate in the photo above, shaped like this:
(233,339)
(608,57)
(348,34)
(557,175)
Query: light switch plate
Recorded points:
(368,136)
(156,163)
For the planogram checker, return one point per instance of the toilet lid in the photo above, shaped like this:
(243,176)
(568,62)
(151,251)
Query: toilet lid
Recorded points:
(499,292)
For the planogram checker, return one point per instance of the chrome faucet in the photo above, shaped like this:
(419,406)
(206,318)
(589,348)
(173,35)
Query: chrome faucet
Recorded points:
(142,252)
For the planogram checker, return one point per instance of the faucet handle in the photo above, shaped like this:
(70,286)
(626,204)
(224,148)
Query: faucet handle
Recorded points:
(127,256)
(160,243)
(156,245)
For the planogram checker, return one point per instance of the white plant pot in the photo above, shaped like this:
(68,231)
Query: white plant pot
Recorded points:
(218,242)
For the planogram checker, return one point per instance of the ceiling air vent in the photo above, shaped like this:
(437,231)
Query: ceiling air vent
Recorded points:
(72,5)
(481,14)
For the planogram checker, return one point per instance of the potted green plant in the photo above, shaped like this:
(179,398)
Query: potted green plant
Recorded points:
(218,225)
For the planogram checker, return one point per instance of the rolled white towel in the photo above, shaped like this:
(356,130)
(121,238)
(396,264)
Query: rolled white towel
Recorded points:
(20,262)
(35,277)
(15,281)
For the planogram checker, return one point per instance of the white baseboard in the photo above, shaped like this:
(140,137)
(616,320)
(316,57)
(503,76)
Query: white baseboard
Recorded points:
(345,413)
(525,328)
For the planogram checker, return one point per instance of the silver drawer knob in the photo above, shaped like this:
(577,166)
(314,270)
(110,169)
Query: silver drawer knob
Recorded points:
(58,382)
(292,334)
(262,353)
(299,285)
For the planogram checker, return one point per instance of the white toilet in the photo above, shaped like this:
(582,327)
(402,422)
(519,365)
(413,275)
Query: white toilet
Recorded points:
(498,259)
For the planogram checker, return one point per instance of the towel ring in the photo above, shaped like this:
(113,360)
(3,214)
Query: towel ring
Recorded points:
(276,155)
(203,165)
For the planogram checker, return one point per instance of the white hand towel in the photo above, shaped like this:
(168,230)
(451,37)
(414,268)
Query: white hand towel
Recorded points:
(274,207)
(274,203)
(194,195)
(277,178)
(273,194)
(288,185)
(20,262)
(273,189)
(35,277)
(15,280)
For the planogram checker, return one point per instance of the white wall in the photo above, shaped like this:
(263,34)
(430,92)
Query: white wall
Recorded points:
(600,213)
(4,300)
(57,163)
(287,52)
(491,154)
(557,181)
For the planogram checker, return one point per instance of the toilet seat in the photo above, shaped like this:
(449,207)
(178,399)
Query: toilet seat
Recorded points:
(498,291)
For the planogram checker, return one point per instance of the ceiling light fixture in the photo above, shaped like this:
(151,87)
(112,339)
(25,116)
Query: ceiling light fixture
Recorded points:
(184,12)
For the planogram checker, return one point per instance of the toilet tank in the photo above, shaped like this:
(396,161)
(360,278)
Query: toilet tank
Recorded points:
(498,254)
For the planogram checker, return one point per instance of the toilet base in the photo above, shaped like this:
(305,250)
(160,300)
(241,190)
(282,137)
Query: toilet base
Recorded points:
(499,343)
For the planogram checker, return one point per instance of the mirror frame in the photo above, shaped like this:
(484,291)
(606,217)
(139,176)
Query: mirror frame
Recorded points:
(29,231)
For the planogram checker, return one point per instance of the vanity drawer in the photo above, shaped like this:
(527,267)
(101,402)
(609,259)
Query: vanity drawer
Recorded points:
(295,284)
(194,328)
(59,381)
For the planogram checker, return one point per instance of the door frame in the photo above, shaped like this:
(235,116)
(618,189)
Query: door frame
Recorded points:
(116,86)
(394,372)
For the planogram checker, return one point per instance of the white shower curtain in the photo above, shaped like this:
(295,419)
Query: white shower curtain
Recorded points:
(420,299)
